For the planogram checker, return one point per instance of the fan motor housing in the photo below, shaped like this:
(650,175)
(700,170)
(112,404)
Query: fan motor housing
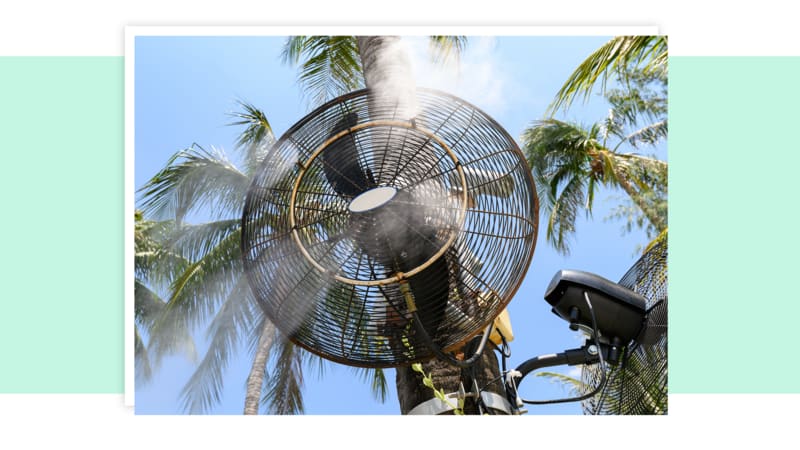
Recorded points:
(620,312)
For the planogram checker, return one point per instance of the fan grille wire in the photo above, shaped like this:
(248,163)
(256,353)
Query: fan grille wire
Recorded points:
(638,385)
(459,233)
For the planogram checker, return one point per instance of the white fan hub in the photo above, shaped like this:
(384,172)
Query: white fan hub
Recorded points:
(372,199)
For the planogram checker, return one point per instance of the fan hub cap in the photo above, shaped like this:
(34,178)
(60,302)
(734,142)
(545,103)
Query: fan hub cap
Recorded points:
(372,199)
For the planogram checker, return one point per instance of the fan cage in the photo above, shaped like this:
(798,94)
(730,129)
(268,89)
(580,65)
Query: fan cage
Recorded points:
(638,384)
(465,202)
(397,277)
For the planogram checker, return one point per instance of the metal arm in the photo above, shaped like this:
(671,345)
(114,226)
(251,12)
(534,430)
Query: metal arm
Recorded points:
(584,355)
(588,354)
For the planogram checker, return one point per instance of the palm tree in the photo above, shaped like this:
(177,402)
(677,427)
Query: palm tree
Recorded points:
(333,65)
(209,289)
(571,161)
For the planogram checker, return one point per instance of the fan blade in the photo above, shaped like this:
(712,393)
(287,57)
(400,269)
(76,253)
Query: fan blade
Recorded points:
(340,161)
(489,182)
(430,291)
(397,237)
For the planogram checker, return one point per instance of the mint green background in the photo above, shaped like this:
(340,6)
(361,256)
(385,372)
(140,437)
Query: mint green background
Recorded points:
(61,232)
(733,155)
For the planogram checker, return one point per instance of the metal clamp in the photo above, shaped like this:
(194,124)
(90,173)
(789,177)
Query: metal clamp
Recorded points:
(436,406)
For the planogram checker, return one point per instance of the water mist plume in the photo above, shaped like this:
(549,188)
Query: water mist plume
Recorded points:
(388,73)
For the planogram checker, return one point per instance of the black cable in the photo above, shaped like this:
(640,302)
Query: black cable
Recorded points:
(505,353)
(603,367)
(493,381)
(426,339)
(504,350)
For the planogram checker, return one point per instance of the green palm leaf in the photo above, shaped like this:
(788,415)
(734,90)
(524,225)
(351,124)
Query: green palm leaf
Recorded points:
(197,293)
(144,372)
(235,316)
(568,162)
(195,178)
(329,65)
(573,386)
(284,384)
(377,382)
(196,241)
(446,49)
(154,264)
(648,135)
(642,97)
(613,57)
(257,137)
(154,268)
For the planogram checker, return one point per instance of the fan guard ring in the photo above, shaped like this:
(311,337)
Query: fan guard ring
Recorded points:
(400,275)
(462,227)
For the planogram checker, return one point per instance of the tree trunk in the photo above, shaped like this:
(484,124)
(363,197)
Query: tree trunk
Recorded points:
(388,76)
(255,380)
(485,373)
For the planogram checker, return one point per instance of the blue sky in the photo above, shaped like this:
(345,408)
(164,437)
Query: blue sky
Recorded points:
(186,86)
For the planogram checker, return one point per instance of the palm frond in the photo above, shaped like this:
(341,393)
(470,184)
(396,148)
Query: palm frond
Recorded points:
(659,240)
(573,386)
(285,382)
(193,242)
(644,180)
(619,52)
(613,125)
(204,388)
(377,382)
(649,135)
(637,100)
(168,335)
(147,304)
(154,269)
(155,264)
(562,218)
(329,65)
(207,282)
(141,361)
(446,49)
(561,156)
(149,234)
(314,364)
(550,139)
(197,294)
(557,151)
(632,217)
(648,178)
(257,137)
(638,386)
(195,178)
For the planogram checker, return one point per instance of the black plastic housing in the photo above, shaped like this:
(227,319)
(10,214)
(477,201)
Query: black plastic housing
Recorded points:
(619,311)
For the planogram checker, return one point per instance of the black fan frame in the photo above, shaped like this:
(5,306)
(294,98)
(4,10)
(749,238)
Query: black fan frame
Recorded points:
(419,353)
